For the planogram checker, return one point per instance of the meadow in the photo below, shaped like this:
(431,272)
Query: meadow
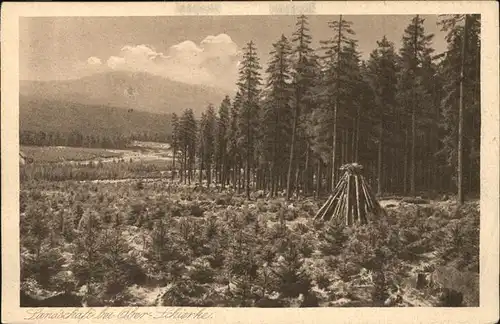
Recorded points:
(137,237)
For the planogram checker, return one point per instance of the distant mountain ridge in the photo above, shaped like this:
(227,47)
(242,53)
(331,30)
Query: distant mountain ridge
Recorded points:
(132,90)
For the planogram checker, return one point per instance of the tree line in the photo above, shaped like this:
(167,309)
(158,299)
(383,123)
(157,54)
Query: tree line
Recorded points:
(410,116)
(77,139)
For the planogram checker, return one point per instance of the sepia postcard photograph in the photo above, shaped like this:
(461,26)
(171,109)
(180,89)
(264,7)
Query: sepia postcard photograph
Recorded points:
(243,162)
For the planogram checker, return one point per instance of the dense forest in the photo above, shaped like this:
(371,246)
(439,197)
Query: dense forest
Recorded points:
(77,139)
(409,115)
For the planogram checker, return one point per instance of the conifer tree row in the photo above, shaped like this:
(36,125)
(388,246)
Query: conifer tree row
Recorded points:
(409,115)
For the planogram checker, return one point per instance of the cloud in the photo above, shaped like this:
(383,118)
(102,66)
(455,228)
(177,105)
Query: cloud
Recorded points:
(214,61)
(220,45)
(83,68)
(116,62)
(94,61)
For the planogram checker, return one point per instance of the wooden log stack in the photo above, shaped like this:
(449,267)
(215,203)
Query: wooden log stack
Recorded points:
(352,201)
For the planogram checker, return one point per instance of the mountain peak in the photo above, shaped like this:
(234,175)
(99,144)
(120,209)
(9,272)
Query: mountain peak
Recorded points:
(141,91)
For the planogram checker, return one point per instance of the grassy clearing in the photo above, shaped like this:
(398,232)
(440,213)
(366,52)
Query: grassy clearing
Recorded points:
(69,163)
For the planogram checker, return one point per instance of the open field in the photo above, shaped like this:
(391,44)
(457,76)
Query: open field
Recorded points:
(153,241)
(143,160)
(138,151)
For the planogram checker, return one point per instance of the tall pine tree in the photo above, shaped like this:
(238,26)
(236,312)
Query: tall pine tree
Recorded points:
(416,49)
(175,142)
(188,143)
(209,138)
(304,74)
(249,88)
(333,81)
(461,105)
(382,75)
(277,113)
(222,140)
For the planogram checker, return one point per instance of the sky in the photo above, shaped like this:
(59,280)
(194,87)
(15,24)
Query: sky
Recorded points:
(191,49)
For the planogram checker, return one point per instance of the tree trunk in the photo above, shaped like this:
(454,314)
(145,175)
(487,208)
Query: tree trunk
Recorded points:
(380,154)
(358,122)
(460,171)
(435,175)
(334,149)
(343,152)
(353,140)
(347,152)
(223,172)
(290,165)
(231,175)
(429,147)
(184,167)
(471,173)
(392,172)
(200,175)
(215,170)
(413,114)
(263,184)
(274,178)
(247,174)
(238,174)
(209,174)
(190,172)
(318,179)
(173,163)
(291,162)
(335,107)
(254,182)
(296,182)
(405,168)
(235,175)
(305,174)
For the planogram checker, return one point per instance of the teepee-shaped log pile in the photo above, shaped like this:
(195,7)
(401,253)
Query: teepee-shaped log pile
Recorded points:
(352,200)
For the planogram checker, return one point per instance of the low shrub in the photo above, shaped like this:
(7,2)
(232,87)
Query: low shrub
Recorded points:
(451,298)
(322,280)
(202,274)
(196,211)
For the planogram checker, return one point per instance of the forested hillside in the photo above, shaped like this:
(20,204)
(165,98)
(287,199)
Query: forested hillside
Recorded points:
(49,122)
(404,113)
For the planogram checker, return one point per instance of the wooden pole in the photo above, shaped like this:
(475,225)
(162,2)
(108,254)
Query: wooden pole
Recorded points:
(367,195)
(320,213)
(357,200)
(347,201)
(330,200)
(329,212)
(341,201)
